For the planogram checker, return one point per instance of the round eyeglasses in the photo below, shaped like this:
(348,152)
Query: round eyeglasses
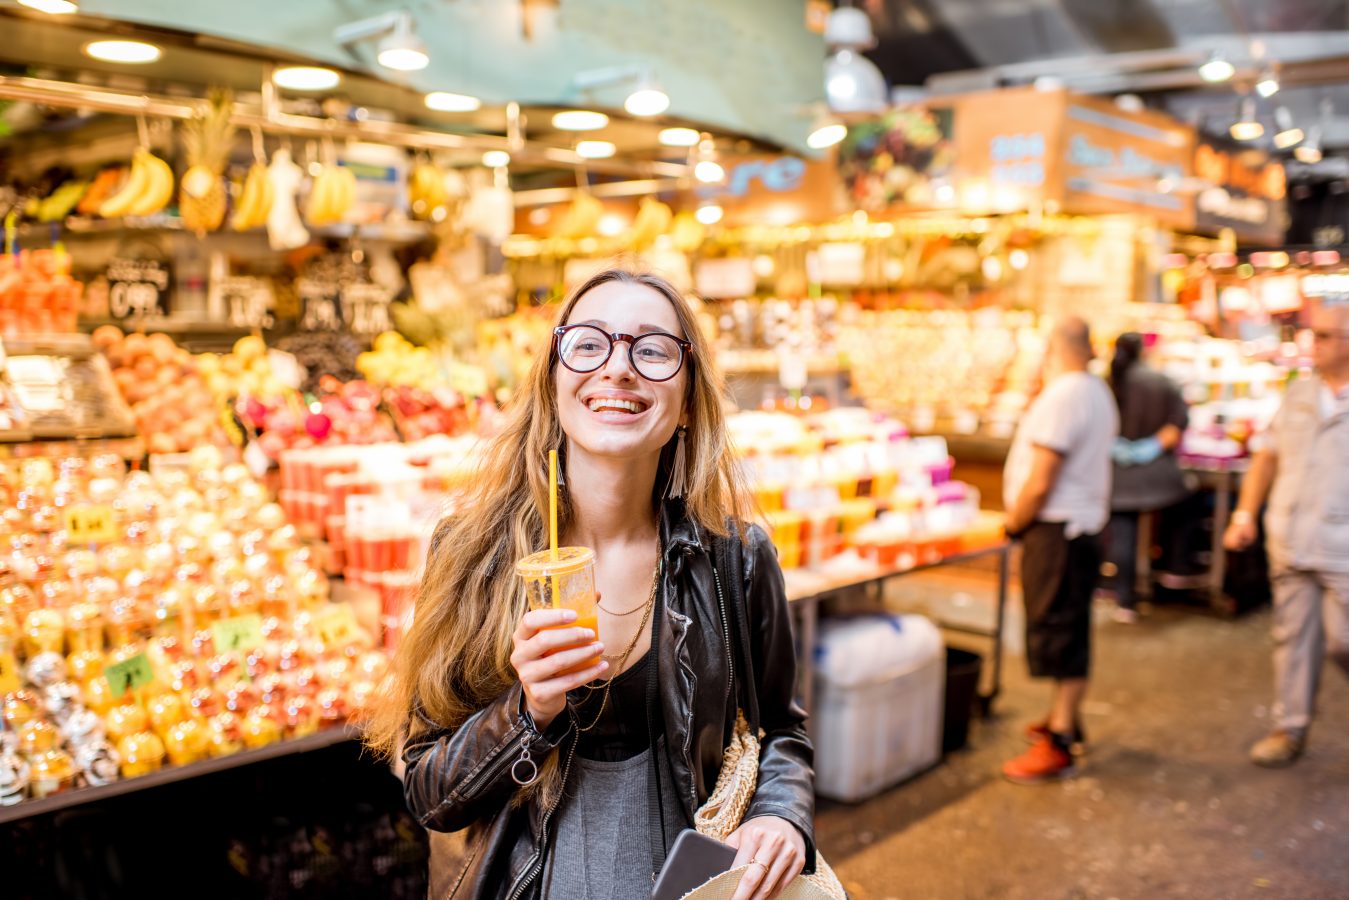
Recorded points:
(656,356)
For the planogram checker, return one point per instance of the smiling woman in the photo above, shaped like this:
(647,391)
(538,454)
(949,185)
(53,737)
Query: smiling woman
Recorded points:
(483,686)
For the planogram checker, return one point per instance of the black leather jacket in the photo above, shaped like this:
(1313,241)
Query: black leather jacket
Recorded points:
(458,781)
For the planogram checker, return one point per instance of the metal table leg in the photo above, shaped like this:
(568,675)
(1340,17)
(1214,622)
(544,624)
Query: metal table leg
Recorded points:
(1004,574)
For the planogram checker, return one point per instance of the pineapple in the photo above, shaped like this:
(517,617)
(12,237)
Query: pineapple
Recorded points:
(206,137)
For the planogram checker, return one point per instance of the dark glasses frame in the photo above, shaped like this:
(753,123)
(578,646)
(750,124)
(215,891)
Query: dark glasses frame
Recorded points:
(685,349)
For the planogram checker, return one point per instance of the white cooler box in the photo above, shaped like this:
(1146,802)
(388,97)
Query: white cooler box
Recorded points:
(880,682)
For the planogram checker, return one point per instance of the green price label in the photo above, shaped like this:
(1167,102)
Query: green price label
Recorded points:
(239,633)
(129,674)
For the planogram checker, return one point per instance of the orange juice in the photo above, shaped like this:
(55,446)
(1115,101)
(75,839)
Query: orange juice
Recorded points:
(567,582)
(591,621)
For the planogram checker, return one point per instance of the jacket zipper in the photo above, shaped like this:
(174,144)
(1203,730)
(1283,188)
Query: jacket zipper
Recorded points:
(726,631)
(536,864)
(493,769)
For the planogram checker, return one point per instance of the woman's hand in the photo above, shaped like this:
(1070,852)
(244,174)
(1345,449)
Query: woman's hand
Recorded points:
(539,660)
(775,851)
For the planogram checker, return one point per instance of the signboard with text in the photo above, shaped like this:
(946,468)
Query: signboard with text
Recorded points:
(1245,190)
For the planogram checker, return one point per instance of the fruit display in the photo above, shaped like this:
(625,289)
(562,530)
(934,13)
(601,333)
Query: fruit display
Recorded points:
(62,201)
(246,371)
(581,219)
(148,189)
(852,483)
(206,137)
(255,201)
(105,183)
(285,231)
(332,196)
(162,384)
(350,414)
(653,220)
(37,294)
(323,353)
(395,361)
(431,188)
(160,619)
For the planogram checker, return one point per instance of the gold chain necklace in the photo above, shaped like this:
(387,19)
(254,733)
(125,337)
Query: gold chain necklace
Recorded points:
(623,661)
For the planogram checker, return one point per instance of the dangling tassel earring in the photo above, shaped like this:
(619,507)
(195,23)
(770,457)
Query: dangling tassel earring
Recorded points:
(678,466)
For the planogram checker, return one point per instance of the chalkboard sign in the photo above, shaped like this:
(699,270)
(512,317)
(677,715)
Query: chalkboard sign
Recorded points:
(137,288)
(320,304)
(247,301)
(365,307)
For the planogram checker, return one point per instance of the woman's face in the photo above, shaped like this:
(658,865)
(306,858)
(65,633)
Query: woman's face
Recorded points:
(613,411)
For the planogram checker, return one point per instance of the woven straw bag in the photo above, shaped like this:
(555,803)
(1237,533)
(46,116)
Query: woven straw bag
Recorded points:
(724,810)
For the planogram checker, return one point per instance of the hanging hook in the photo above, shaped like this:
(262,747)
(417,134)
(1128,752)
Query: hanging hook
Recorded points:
(259,148)
(142,130)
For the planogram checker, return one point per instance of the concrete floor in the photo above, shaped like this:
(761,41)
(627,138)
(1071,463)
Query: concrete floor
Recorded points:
(1166,804)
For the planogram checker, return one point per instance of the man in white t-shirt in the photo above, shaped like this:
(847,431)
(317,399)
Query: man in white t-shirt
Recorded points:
(1056,487)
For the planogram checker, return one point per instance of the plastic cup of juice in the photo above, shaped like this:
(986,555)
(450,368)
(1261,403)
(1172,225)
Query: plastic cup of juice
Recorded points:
(567,582)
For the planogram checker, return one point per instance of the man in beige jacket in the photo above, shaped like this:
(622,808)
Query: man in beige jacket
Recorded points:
(1304,472)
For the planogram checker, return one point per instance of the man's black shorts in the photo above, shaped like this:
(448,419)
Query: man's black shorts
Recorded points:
(1058,578)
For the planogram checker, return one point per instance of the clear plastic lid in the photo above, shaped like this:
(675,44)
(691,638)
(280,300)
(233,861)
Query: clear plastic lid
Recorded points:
(542,565)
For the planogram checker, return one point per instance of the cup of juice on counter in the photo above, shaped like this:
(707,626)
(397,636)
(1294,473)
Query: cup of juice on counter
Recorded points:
(564,580)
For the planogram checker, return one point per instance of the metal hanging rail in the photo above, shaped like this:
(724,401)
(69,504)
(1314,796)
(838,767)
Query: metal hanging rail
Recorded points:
(271,120)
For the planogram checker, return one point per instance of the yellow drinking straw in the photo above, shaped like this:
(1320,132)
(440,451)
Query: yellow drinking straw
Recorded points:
(552,523)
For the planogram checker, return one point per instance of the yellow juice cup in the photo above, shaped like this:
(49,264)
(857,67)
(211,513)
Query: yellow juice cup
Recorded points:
(565,582)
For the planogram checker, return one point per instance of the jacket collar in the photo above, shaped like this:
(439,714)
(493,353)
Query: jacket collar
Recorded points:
(680,535)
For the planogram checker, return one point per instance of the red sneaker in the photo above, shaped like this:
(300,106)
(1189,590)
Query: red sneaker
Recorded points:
(1044,761)
(1040,730)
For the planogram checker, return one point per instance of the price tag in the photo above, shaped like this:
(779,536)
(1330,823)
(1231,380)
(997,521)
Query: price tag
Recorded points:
(9,673)
(365,307)
(129,674)
(238,633)
(321,302)
(137,287)
(247,301)
(336,625)
(90,524)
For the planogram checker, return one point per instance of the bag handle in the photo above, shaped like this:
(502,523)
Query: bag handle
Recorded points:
(729,562)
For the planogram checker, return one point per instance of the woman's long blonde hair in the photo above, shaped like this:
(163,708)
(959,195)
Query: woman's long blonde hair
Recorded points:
(455,659)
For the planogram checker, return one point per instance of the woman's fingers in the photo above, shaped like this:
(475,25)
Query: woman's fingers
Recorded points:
(537,619)
(547,691)
(543,668)
(785,866)
(749,845)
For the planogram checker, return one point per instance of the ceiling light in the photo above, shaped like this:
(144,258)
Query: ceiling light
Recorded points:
(1288,133)
(1247,128)
(709,214)
(305,78)
(709,172)
(444,101)
(848,26)
(1309,151)
(595,149)
(1268,85)
(852,83)
(826,133)
(403,51)
(52,7)
(134,52)
(648,100)
(495,159)
(579,120)
(1216,69)
(679,137)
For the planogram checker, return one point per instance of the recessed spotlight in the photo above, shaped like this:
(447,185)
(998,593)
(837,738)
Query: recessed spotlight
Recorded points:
(709,172)
(579,120)
(1268,85)
(444,101)
(52,7)
(679,137)
(306,78)
(495,159)
(709,214)
(131,52)
(595,149)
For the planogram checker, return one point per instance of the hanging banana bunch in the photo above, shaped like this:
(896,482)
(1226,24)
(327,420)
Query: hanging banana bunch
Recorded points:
(653,219)
(255,202)
(334,191)
(427,190)
(207,137)
(582,218)
(147,189)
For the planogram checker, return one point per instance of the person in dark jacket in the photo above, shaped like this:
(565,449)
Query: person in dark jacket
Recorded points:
(539,783)
(1147,478)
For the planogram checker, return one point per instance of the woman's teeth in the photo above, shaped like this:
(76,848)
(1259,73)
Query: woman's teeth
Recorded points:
(602,403)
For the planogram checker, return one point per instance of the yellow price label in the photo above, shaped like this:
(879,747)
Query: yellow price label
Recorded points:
(129,674)
(336,625)
(239,633)
(90,524)
(9,673)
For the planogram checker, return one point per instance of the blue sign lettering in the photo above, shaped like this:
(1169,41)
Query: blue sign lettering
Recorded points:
(779,176)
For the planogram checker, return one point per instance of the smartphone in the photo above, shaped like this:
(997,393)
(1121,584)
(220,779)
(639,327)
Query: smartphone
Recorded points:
(693,861)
